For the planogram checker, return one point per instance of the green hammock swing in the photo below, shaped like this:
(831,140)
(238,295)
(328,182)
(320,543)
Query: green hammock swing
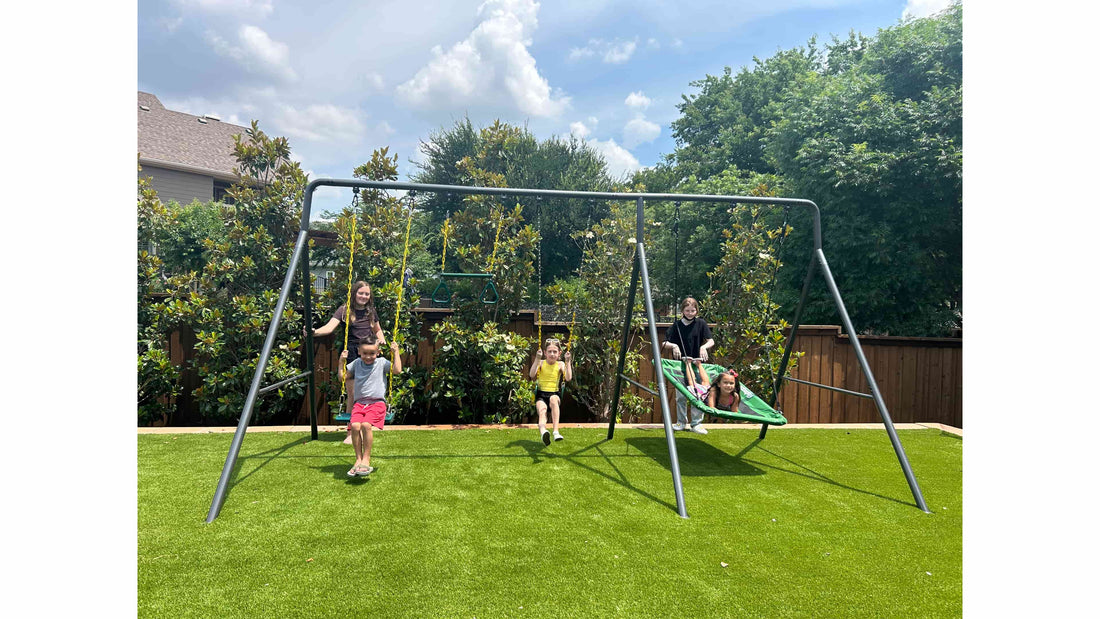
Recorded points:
(752,407)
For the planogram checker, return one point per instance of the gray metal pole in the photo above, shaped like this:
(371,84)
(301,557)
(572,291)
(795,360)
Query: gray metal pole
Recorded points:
(250,401)
(879,403)
(622,347)
(674,459)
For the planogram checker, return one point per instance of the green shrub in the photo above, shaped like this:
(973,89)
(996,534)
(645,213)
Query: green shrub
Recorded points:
(479,374)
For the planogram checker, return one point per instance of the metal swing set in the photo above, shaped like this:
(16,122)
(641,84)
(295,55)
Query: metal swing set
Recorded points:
(300,261)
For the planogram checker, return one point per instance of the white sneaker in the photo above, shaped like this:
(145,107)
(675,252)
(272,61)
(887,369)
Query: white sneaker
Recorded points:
(699,429)
(677,427)
(558,436)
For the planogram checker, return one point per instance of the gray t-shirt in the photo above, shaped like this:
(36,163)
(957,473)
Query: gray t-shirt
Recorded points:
(370,383)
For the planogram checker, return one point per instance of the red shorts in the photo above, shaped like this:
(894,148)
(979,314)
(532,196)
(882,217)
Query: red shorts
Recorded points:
(373,413)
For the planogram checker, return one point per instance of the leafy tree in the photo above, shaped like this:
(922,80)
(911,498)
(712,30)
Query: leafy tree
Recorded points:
(158,379)
(597,298)
(183,245)
(724,123)
(520,160)
(747,334)
(879,148)
(870,130)
(695,232)
(229,303)
(490,235)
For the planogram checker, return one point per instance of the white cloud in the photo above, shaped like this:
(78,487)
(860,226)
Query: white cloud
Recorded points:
(639,131)
(170,24)
(257,52)
(576,53)
(620,52)
(619,160)
(248,7)
(492,59)
(579,130)
(638,100)
(611,52)
(923,8)
(320,123)
(677,43)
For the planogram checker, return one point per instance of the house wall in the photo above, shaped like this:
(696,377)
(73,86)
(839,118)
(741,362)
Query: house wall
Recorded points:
(183,187)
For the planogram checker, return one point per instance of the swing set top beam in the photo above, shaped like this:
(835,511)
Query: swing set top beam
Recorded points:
(557,193)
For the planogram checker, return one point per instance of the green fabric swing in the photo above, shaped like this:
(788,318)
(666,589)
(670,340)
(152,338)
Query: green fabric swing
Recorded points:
(752,407)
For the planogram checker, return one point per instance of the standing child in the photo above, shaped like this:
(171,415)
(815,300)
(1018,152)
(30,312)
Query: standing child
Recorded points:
(726,393)
(689,337)
(366,380)
(549,376)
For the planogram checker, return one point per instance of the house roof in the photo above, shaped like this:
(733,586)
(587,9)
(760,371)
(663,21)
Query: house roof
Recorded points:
(183,141)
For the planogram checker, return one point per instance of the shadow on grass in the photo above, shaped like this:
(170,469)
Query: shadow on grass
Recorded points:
(537,452)
(339,472)
(814,475)
(697,458)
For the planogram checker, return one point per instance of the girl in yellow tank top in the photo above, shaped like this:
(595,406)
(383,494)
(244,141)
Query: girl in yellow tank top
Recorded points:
(549,376)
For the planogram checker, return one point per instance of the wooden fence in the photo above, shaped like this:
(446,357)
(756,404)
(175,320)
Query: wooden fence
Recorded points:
(920,379)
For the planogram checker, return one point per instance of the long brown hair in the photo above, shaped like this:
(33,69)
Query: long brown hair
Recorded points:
(370,302)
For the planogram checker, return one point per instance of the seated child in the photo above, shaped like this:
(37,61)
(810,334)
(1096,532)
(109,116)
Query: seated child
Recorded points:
(367,384)
(725,394)
(549,376)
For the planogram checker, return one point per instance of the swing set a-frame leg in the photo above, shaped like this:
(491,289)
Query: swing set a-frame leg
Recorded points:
(818,259)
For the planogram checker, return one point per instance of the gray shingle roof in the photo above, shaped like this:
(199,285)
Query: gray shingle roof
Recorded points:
(175,137)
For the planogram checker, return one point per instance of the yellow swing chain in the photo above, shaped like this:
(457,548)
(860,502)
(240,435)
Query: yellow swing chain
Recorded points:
(352,227)
(538,306)
(401,282)
(500,224)
(446,233)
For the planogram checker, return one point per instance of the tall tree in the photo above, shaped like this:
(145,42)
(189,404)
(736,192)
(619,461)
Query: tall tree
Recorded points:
(879,148)
(724,123)
(521,160)
(871,130)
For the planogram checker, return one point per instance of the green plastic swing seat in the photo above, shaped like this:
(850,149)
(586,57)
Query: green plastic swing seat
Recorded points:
(752,407)
(442,294)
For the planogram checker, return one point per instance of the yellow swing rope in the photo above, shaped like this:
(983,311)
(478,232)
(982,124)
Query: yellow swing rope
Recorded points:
(401,283)
(347,306)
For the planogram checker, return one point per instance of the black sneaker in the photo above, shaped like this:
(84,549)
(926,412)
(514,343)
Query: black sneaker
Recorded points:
(545,437)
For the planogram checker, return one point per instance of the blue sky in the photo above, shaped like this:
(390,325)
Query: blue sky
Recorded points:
(340,79)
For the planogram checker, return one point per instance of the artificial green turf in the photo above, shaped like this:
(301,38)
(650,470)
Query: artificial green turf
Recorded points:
(490,523)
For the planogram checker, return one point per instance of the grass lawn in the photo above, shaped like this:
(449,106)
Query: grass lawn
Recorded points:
(490,523)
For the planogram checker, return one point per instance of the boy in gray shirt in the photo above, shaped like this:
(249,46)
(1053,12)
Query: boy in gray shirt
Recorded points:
(366,380)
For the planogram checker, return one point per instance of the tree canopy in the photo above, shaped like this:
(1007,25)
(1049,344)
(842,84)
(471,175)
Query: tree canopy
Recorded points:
(870,129)
(520,160)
